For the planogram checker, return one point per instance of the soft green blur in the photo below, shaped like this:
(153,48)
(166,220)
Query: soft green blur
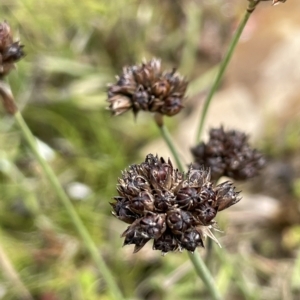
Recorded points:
(73,50)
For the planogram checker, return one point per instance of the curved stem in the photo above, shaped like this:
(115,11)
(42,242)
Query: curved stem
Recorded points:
(89,243)
(223,66)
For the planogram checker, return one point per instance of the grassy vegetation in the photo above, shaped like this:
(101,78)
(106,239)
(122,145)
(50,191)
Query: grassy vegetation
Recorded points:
(73,49)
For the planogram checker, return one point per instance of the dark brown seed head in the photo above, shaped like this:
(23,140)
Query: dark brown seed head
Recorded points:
(10,51)
(146,87)
(228,153)
(170,207)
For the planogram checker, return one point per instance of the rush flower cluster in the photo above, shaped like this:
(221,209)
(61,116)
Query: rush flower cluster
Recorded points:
(173,209)
(228,153)
(10,51)
(146,87)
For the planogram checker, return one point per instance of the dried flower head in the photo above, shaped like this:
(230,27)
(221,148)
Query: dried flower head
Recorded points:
(174,209)
(10,51)
(146,87)
(228,153)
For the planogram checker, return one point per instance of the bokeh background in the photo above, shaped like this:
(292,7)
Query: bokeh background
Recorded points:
(73,50)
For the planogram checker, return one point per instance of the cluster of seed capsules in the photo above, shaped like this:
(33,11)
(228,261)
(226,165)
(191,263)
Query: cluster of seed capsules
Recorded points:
(228,153)
(146,87)
(173,209)
(10,51)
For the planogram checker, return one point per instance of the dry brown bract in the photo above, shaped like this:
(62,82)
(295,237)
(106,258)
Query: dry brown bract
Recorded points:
(174,209)
(146,87)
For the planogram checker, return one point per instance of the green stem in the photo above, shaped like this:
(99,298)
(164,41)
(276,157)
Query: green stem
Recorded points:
(223,66)
(167,138)
(205,275)
(197,261)
(89,243)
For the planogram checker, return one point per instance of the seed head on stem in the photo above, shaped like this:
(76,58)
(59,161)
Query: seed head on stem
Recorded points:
(228,153)
(146,87)
(10,53)
(174,209)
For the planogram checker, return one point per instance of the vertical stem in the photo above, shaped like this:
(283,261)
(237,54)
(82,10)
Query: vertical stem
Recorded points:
(89,243)
(167,138)
(197,261)
(224,64)
(205,275)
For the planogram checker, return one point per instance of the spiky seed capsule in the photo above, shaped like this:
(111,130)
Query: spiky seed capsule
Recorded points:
(174,209)
(228,153)
(146,87)
(10,51)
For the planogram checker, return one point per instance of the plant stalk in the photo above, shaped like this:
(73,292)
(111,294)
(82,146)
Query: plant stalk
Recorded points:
(89,243)
(223,65)
(197,261)
(167,138)
(205,275)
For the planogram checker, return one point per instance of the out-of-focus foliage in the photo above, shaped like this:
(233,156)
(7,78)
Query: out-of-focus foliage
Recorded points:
(74,48)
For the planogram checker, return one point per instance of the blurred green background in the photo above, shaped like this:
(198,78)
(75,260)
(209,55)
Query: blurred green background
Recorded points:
(73,50)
